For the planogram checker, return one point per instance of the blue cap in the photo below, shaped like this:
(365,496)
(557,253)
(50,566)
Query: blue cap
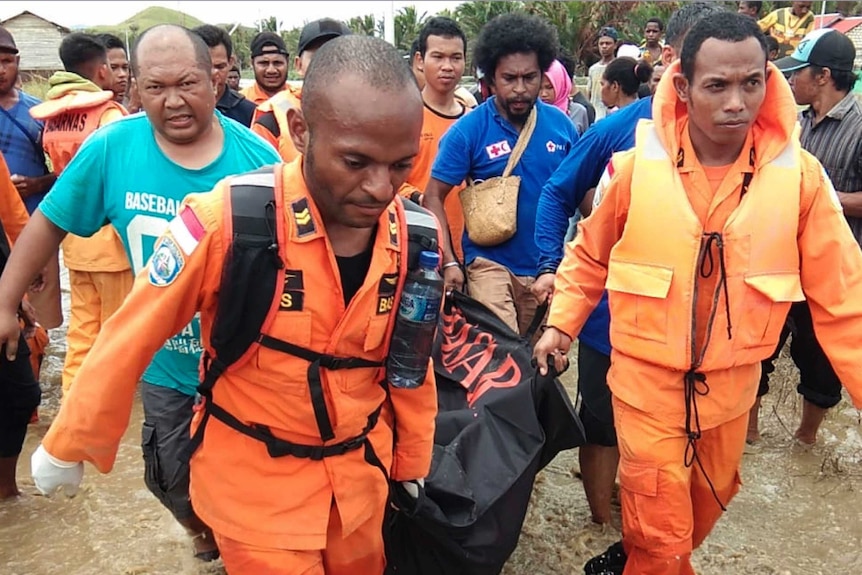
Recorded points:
(429,259)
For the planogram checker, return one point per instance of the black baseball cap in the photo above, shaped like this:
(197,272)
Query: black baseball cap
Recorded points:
(323,29)
(7,42)
(826,48)
(267,43)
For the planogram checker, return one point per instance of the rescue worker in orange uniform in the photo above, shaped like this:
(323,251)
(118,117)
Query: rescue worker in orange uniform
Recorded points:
(80,102)
(442,48)
(705,233)
(342,243)
(269,61)
(270,118)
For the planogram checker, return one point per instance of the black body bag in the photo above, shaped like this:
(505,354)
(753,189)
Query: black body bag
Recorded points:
(499,423)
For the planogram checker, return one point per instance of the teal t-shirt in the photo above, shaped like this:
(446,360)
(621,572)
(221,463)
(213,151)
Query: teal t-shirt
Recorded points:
(121,176)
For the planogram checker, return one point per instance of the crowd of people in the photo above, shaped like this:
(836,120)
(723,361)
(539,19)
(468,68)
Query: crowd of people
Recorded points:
(680,217)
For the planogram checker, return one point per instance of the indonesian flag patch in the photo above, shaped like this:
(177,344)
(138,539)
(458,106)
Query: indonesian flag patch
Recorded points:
(187,229)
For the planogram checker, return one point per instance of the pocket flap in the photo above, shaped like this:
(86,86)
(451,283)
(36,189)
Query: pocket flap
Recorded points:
(639,279)
(781,287)
(639,478)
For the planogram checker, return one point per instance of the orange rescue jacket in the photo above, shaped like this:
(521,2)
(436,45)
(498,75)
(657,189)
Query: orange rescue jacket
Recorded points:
(13,213)
(654,242)
(278,105)
(69,119)
(256,94)
(236,486)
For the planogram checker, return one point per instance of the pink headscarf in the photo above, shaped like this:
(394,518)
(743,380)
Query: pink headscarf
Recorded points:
(562,84)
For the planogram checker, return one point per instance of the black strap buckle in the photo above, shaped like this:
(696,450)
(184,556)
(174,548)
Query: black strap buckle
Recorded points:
(334,363)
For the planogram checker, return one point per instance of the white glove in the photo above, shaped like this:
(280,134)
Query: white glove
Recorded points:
(50,474)
(412,487)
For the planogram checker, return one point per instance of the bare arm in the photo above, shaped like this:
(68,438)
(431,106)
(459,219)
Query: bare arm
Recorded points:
(39,240)
(435,195)
(852,203)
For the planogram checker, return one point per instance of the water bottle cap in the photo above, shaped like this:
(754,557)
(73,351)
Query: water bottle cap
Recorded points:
(429,259)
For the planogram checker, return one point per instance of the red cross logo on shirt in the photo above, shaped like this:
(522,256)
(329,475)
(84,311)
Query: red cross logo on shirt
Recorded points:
(498,149)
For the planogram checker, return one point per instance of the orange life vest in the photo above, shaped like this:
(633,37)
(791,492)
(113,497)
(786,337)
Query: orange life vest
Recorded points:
(278,105)
(69,120)
(651,291)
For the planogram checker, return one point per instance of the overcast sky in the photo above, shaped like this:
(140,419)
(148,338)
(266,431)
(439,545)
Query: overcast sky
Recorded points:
(292,14)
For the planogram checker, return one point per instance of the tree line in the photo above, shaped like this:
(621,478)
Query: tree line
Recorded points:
(577,23)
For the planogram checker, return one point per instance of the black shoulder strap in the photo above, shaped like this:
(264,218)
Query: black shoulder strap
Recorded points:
(421,232)
(250,272)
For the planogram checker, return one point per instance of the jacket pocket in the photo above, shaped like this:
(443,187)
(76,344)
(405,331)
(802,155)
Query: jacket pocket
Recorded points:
(638,299)
(375,334)
(281,371)
(766,301)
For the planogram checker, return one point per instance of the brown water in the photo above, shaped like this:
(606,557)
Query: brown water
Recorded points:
(798,513)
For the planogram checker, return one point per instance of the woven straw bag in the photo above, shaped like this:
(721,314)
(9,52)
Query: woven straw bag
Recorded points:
(491,207)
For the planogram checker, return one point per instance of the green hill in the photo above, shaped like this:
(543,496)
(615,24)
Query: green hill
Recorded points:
(148,18)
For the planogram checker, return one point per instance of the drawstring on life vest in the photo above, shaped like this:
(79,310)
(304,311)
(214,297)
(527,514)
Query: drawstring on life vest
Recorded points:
(694,381)
(706,266)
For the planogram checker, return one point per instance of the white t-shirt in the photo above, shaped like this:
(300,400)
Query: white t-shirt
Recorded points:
(595,78)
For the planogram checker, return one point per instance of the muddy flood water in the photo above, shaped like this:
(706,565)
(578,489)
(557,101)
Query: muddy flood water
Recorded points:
(799,511)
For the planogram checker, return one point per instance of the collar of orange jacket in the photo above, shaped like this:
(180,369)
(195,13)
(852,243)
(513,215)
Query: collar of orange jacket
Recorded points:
(772,129)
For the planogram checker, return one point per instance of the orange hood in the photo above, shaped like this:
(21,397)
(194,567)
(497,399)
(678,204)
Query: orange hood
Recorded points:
(773,128)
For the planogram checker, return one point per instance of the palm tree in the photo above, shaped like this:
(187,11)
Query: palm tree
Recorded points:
(365,25)
(408,24)
(471,16)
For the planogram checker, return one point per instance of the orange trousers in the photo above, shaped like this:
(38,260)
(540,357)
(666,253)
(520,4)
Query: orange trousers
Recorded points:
(359,553)
(95,296)
(668,509)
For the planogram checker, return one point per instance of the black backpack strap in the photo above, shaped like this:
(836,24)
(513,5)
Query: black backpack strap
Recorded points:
(252,252)
(250,273)
(422,232)
(315,385)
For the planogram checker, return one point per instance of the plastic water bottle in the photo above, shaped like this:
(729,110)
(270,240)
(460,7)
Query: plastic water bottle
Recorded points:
(413,335)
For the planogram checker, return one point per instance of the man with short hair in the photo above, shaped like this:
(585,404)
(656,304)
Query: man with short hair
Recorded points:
(80,102)
(269,60)
(230,103)
(514,50)
(789,25)
(650,50)
(270,118)
(118,63)
(233,77)
(752,9)
(566,191)
(276,506)
(699,286)
(607,44)
(442,50)
(181,145)
(21,146)
(20,134)
(822,78)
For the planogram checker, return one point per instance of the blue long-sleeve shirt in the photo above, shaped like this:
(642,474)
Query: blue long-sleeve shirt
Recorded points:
(565,190)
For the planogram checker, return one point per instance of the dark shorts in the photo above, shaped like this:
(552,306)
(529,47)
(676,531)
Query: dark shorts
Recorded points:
(19,396)
(596,411)
(164,437)
(818,382)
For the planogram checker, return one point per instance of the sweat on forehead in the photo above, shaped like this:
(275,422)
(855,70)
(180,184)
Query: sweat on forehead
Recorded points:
(373,60)
(170,38)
